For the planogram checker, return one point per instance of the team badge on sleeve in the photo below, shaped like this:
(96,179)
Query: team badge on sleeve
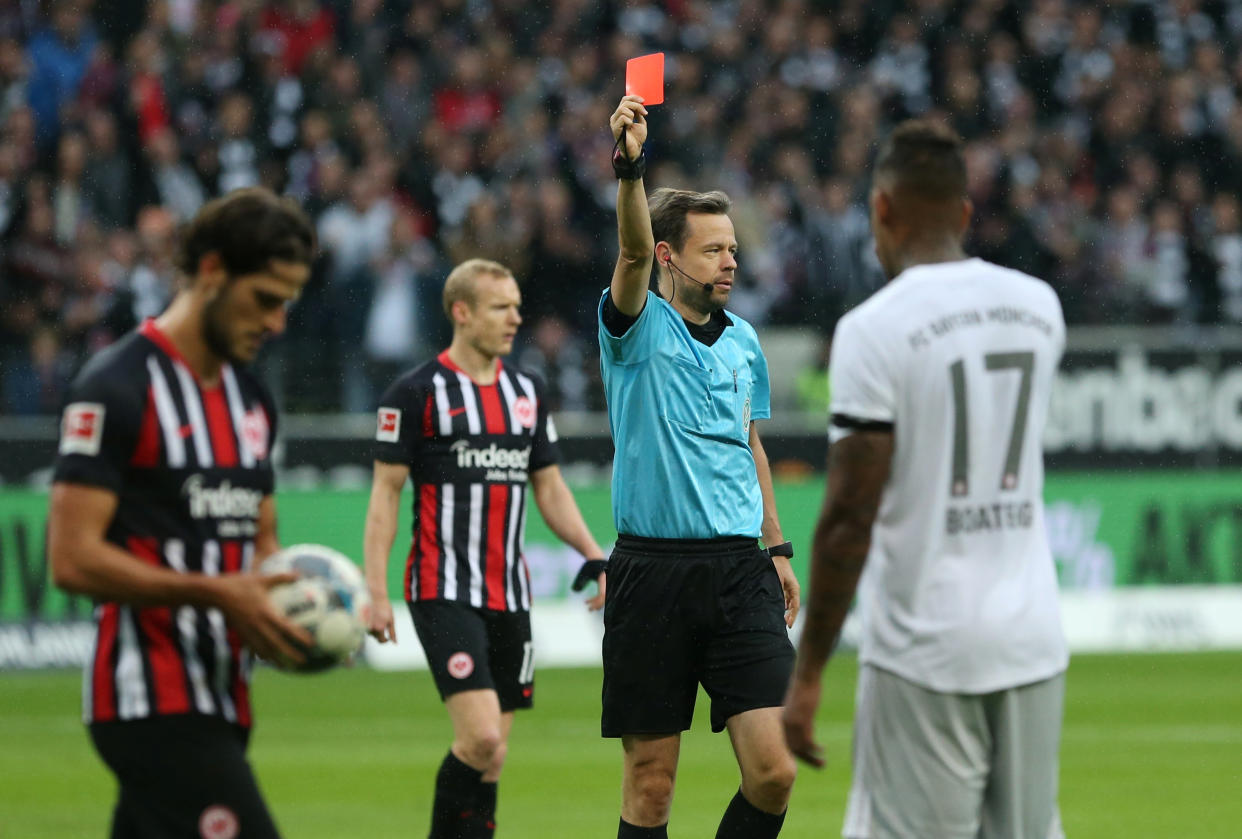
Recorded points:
(388,429)
(81,429)
(524,410)
(255,431)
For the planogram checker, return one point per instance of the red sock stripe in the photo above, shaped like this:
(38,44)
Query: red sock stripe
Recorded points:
(497,544)
(493,410)
(103,678)
(428,542)
(220,425)
(147,451)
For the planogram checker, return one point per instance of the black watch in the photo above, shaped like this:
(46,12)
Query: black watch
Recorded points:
(785,549)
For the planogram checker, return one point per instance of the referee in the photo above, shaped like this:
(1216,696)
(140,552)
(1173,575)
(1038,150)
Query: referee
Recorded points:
(692,598)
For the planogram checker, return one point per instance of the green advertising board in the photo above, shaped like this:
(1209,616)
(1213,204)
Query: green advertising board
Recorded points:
(1106,529)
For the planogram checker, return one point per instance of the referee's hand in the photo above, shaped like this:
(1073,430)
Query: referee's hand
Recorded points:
(798,720)
(597,570)
(630,117)
(789,584)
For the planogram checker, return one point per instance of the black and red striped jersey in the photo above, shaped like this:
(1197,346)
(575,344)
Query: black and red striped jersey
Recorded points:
(471,449)
(189,466)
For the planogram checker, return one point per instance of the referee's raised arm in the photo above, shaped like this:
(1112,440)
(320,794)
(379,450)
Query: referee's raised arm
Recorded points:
(633,272)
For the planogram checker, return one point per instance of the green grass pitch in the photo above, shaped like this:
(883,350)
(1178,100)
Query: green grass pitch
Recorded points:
(1152,748)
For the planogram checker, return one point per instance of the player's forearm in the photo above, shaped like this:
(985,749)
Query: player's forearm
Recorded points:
(377,540)
(102,571)
(560,512)
(838,554)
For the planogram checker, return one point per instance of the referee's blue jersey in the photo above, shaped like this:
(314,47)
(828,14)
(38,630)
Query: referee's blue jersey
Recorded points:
(680,416)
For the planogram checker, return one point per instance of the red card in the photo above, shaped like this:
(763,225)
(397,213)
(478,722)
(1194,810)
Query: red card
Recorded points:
(644,76)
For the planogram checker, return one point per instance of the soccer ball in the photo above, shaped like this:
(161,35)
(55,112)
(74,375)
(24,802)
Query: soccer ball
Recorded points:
(329,600)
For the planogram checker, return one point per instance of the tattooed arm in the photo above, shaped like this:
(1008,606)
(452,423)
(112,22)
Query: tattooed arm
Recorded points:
(858,467)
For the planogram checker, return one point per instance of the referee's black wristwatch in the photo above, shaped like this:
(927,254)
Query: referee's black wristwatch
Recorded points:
(785,549)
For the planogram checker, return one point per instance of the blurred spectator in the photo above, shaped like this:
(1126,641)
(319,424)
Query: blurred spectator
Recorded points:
(153,277)
(1104,149)
(59,53)
(397,332)
(14,71)
(1226,251)
(108,179)
(70,204)
(355,236)
(172,185)
(562,360)
(34,382)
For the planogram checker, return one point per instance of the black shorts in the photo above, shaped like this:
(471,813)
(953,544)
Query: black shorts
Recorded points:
(477,649)
(681,613)
(182,776)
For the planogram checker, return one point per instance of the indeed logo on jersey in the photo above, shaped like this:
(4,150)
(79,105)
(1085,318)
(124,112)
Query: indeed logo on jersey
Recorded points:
(221,502)
(493,458)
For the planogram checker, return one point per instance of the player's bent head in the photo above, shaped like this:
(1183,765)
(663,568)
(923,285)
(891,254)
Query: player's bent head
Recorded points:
(246,230)
(671,210)
(245,257)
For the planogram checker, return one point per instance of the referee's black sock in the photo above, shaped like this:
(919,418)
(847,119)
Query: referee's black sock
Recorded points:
(455,813)
(487,808)
(743,820)
(625,830)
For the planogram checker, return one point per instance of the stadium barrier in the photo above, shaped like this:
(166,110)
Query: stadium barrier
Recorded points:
(1146,560)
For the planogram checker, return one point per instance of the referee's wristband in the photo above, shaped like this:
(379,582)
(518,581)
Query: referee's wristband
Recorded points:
(624,168)
(785,549)
(589,573)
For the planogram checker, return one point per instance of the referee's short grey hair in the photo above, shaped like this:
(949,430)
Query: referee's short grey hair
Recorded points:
(461,284)
(669,208)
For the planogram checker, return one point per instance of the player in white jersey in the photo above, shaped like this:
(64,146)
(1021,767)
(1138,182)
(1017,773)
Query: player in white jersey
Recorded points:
(940,388)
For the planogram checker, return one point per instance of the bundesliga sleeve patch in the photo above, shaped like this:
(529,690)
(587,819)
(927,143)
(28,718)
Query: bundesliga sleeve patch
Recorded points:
(552,435)
(388,429)
(81,428)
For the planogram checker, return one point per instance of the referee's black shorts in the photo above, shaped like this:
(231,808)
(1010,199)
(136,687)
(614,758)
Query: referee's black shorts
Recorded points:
(681,613)
(182,776)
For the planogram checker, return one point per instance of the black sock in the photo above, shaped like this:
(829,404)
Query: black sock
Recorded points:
(625,830)
(487,808)
(455,813)
(743,820)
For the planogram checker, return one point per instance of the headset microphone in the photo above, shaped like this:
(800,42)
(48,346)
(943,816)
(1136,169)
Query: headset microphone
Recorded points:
(708,287)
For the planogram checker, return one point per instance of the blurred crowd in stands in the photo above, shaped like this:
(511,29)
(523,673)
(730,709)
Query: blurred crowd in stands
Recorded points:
(1104,142)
